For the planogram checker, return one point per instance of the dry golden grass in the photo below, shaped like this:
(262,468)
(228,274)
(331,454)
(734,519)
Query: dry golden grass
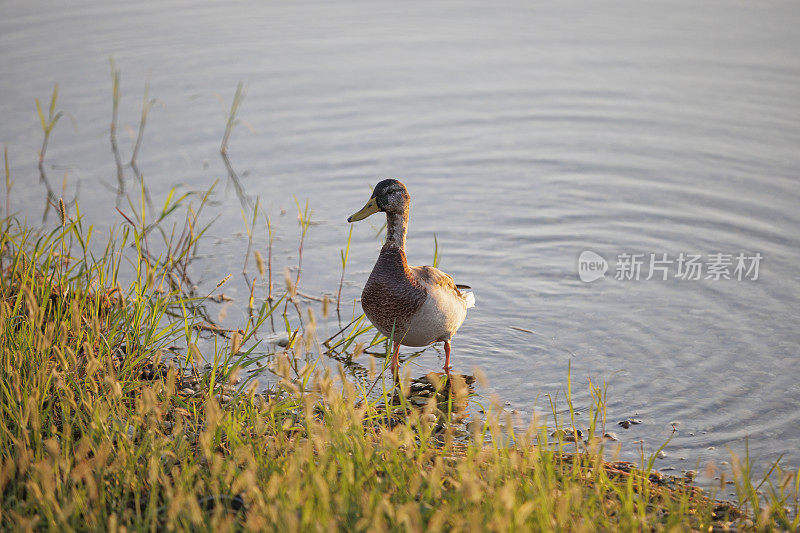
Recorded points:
(98,434)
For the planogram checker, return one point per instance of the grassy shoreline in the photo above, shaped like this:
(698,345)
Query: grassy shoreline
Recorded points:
(108,424)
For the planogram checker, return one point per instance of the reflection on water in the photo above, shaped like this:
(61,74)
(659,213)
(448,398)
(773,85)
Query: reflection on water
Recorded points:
(526,135)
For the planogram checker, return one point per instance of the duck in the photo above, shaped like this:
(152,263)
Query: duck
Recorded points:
(411,305)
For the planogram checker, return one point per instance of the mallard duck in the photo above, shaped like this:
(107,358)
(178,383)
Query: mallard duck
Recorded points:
(412,305)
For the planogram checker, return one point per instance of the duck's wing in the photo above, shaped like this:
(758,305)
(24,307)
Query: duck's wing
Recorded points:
(433,278)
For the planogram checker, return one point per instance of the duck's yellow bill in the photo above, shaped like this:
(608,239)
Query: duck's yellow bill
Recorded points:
(367,210)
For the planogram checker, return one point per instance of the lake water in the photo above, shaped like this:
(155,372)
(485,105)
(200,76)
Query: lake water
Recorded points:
(526,133)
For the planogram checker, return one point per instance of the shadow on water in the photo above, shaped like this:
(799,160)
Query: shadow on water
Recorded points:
(48,124)
(232,122)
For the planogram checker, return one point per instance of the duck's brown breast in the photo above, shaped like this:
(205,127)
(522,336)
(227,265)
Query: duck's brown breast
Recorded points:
(391,296)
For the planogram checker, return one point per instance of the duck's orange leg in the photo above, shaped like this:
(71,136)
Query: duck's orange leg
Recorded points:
(447,357)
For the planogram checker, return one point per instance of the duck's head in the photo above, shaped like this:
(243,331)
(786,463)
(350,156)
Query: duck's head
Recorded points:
(389,196)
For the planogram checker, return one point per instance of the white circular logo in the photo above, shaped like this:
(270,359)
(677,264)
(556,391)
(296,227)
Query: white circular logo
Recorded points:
(591,266)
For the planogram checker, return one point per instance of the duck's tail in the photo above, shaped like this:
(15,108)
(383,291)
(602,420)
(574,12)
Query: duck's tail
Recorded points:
(466,292)
(470,296)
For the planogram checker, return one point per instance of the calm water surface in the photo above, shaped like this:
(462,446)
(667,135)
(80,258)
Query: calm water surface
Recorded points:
(526,133)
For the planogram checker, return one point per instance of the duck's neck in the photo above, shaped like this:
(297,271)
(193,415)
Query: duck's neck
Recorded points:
(396,228)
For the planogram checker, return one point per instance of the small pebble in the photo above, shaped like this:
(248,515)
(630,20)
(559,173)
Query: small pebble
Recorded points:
(567,435)
(628,422)
(661,454)
(187,391)
(430,418)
